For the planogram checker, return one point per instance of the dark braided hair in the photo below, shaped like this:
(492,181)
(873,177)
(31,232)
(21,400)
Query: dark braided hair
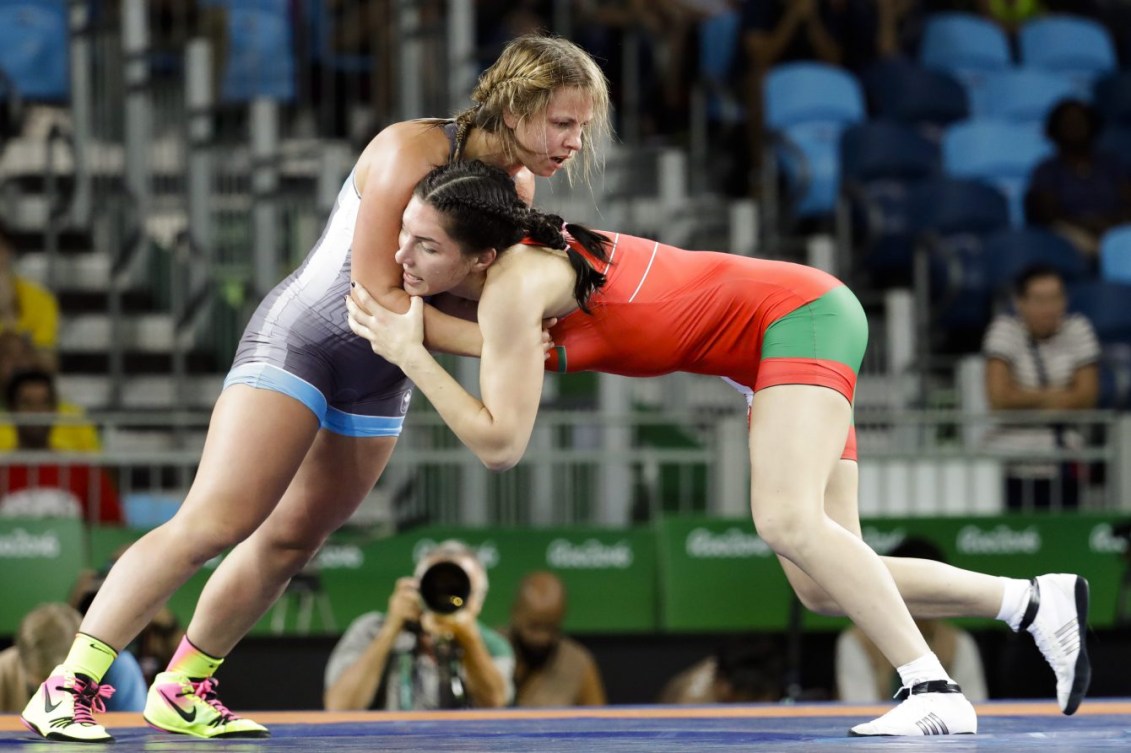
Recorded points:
(482,209)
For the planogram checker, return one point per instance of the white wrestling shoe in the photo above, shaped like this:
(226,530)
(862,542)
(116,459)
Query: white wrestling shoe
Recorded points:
(929,708)
(1057,618)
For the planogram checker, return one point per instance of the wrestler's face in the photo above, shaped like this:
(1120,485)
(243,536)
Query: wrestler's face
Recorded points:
(548,140)
(431,260)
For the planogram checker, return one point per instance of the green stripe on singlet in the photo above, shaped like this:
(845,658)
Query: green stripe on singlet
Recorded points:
(832,328)
(561,358)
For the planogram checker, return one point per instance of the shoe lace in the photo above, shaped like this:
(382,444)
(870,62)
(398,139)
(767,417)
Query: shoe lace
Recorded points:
(206,690)
(90,696)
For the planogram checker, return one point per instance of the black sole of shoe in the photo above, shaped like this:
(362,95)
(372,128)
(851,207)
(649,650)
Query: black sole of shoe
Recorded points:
(1083,676)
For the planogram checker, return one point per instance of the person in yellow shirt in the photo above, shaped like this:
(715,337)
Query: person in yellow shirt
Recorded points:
(70,434)
(27,307)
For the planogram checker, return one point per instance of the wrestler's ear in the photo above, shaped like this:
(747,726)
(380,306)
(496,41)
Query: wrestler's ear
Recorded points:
(484,259)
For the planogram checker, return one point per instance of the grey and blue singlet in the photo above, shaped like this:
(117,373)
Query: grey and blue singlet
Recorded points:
(298,342)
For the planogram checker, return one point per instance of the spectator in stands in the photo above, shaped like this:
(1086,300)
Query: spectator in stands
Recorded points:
(25,306)
(69,435)
(1040,358)
(1079,192)
(863,675)
(663,31)
(551,669)
(413,657)
(49,489)
(746,670)
(849,33)
(1010,14)
(44,635)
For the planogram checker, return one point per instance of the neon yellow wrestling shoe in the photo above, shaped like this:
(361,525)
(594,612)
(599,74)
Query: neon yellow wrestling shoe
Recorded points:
(190,707)
(63,708)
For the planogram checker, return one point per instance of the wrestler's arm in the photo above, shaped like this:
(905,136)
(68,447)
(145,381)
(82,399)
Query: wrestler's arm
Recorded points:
(497,427)
(400,156)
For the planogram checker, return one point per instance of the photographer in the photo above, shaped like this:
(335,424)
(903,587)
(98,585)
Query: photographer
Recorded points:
(429,650)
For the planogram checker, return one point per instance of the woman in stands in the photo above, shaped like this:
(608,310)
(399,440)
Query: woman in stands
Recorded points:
(309,415)
(790,337)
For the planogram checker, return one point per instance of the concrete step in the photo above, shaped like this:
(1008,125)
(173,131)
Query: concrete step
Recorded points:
(91,333)
(144,392)
(80,271)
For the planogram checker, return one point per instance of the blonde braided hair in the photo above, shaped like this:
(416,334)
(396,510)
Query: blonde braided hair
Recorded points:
(524,78)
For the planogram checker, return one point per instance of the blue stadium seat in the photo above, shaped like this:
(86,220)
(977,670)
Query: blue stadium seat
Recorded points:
(880,161)
(807,107)
(965,45)
(1115,140)
(930,100)
(718,52)
(883,149)
(804,92)
(35,48)
(1105,304)
(1009,252)
(1115,377)
(1021,95)
(955,212)
(955,216)
(1115,255)
(1112,97)
(261,58)
(950,205)
(320,28)
(1000,153)
(1078,47)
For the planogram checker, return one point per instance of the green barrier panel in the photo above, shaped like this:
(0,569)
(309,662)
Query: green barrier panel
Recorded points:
(718,575)
(358,574)
(38,562)
(610,574)
(682,575)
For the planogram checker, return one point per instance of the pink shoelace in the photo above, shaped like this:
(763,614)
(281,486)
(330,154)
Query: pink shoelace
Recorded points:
(206,690)
(90,697)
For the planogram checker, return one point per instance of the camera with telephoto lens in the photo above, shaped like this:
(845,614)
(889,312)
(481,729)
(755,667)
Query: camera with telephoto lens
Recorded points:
(445,587)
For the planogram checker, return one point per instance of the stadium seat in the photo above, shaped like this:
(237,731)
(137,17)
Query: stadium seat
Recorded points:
(807,107)
(1020,95)
(261,59)
(954,212)
(880,161)
(1115,255)
(880,149)
(1105,304)
(35,49)
(930,100)
(1115,140)
(1115,377)
(320,28)
(1112,97)
(718,51)
(965,45)
(1009,252)
(1078,47)
(953,217)
(1000,153)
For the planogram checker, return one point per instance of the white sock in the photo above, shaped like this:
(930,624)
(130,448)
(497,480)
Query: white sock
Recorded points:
(1014,602)
(924,669)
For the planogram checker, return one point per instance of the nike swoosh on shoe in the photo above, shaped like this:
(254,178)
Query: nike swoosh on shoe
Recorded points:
(180,712)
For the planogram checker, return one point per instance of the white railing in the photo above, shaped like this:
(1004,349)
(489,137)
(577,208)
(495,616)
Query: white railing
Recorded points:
(583,467)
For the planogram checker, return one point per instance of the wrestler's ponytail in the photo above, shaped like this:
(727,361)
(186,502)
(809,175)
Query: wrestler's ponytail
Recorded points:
(550,230)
